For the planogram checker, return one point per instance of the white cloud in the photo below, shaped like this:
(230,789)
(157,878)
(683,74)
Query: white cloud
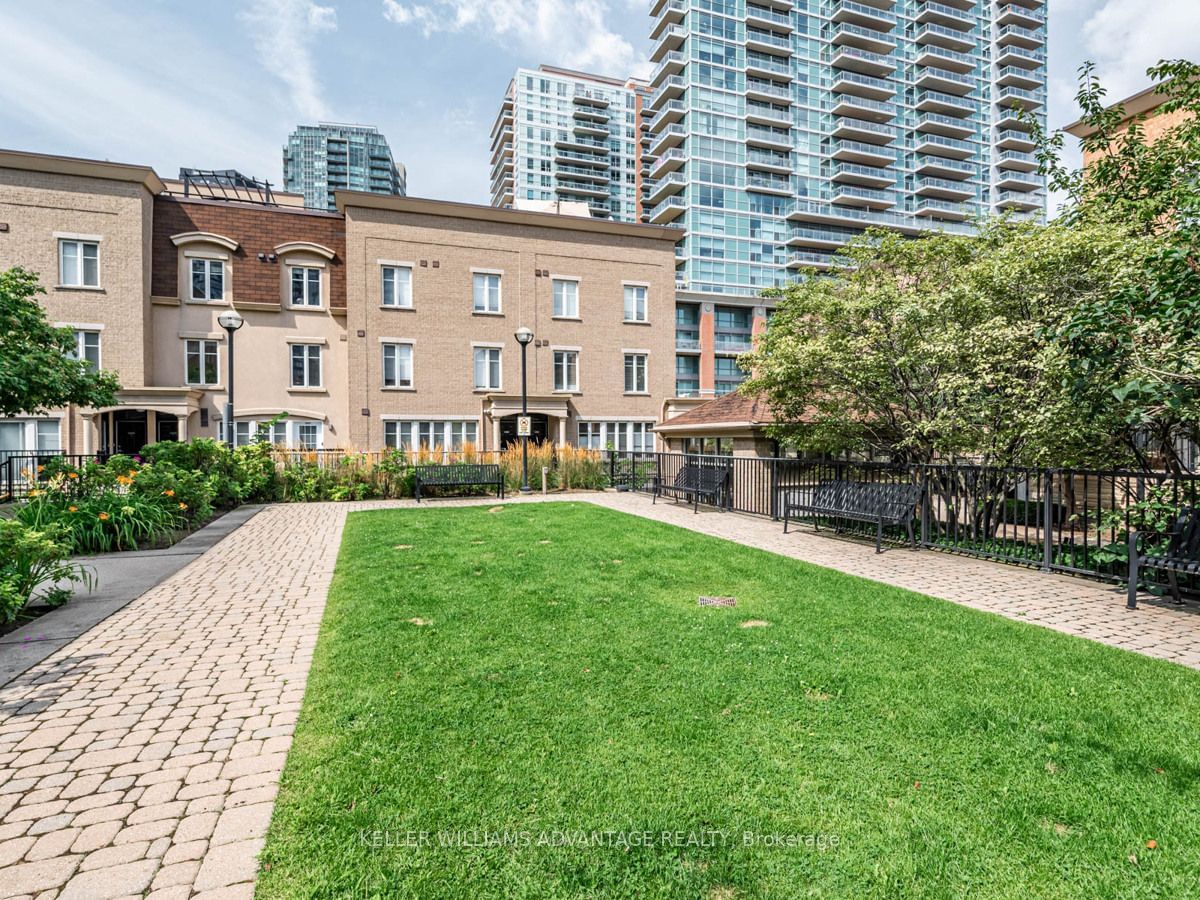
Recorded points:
(284,32)
(572,33)
(1125,37)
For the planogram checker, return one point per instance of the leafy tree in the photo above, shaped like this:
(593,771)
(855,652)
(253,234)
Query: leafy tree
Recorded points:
(1139,348)
(37,368)
(942,348)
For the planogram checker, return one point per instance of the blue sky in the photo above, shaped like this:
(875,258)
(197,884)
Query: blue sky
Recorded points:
(220,84)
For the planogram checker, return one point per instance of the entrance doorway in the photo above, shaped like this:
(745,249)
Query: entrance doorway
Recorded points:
(129,431)
(538,425)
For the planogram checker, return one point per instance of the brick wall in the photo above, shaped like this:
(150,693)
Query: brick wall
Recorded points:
(257,230)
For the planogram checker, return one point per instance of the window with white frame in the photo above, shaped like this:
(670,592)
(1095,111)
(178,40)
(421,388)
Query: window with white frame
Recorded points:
(397,286)
(442,435)
(306,365)
(566,370)
(486,292)
(566,298)
(87,348)
(261,432)
(635,436)
(208,280)
(48,434)
(635,373)
(635,303)
(306,286)
(200,362)
(487,368)
(78,263)
(308,435)
(397,365)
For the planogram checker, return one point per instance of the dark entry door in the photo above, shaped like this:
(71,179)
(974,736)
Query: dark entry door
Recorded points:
(129,427)
(166,429)
(537,429)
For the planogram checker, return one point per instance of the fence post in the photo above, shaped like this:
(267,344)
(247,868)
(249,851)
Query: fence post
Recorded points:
(925,506)
(1048,520)
(774,504)
(612,470)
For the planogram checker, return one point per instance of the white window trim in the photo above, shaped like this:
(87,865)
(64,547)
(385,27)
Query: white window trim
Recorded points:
(79,240)
(321,356)
(641,284)
(223,300)
(199,384)
(499,311)
(321,285)
(645,354)
(99,344)
(297,339)
(487,346)
(72,236)
(573,278)
(578,351)
(81,326)
(411,344)
(412,271)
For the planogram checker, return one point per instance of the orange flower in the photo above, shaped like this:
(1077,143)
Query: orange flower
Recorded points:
(25,473)
(34,493)
(133,473)
(73,475)
(169,492)
(183,506)
(41,468)
(103,517)
(72,509)
(122,479)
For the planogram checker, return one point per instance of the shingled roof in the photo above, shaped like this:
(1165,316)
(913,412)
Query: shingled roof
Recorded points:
(731,410)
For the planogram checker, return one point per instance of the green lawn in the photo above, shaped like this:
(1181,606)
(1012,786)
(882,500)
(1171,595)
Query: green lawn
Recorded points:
(546,668)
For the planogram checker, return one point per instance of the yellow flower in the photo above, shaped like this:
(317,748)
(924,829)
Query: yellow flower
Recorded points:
(103,517)
(128,510)
(72,509)
(169,492)
(34,493)
(25,473)
(183,506)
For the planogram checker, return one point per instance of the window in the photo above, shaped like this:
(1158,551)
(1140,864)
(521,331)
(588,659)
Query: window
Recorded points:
(487,292)
(635,436)
(566,298)
(79,264)
(635,373)
(566,370)
(397,286)
(487,368)
(306,286)
(208,279)
(48,436)
(306,365)
(273,433)
(87,348)
(635,303)
(448,435)
(308,435)
(709,446)
(201,365)
(397,365)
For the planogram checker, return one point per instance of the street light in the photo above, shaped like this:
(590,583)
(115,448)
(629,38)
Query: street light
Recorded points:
(524,337)
(231,322)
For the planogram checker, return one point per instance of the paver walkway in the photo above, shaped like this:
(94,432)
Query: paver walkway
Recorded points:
(144,757)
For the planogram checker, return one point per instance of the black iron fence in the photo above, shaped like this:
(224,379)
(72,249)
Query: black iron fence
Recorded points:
(21,472)
(1059,520)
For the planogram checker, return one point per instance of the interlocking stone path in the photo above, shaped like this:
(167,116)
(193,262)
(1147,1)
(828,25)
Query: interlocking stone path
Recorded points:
(143,759)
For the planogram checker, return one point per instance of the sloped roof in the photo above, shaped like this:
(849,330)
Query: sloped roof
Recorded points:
(731,410)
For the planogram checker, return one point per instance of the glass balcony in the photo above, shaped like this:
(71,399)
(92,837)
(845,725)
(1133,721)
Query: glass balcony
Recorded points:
(1019,200)
(956,169)
(941,102)
(1015,76)
(769,66)
(941,14)
(867,198)
(863,38)
(1018,161)
(732,342)
(771,137)
(760,17)
(818,211)
(944,146)
(768,159)
(668,210)
(769,185)
(807,259)
(1018,181)
(670,88)
(862,85)
(866,176)
(932,34)
(672,64)
(1012,55)
(671,136)
(936,79)
(858,152)
(856,13)
(942,209)
(862,61)
(1019,15)
(944,189)
(670,112)
(767,90)
(667,185)
(687,339)
(768,114)
(862,108)
(1020,37)
(671,38)
(952,60)
(668,162)
(948,126)
(1012,97)
(1009,139)
(862,130)
(667,12)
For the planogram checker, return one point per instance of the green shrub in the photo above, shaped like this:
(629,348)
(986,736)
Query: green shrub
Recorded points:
(32,563)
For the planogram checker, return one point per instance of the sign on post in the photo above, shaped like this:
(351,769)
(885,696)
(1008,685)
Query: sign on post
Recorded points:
(524,426)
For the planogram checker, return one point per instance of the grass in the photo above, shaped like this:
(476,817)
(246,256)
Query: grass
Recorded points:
(532,669)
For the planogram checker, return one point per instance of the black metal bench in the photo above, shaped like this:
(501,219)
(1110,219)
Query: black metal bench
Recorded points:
(457,475)
(881,503)
(698,483)
(1180,555)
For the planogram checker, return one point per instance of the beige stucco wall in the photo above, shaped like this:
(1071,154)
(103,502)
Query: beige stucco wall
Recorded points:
(443,251)
(37,205)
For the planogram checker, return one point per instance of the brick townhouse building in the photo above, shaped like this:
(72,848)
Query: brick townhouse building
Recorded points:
(389,322)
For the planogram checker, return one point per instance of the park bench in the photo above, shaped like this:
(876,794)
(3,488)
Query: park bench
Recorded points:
(457,475)
(881,503)
(697,483)
(1180,555)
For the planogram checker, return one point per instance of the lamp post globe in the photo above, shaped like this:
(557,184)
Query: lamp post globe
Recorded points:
(524,337)
(231,321)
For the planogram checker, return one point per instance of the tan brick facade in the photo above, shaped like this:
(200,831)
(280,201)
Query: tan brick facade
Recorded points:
(149,321)
(445,244)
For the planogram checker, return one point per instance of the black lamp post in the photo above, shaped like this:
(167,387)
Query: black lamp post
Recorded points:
(524,337)
(231,322)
